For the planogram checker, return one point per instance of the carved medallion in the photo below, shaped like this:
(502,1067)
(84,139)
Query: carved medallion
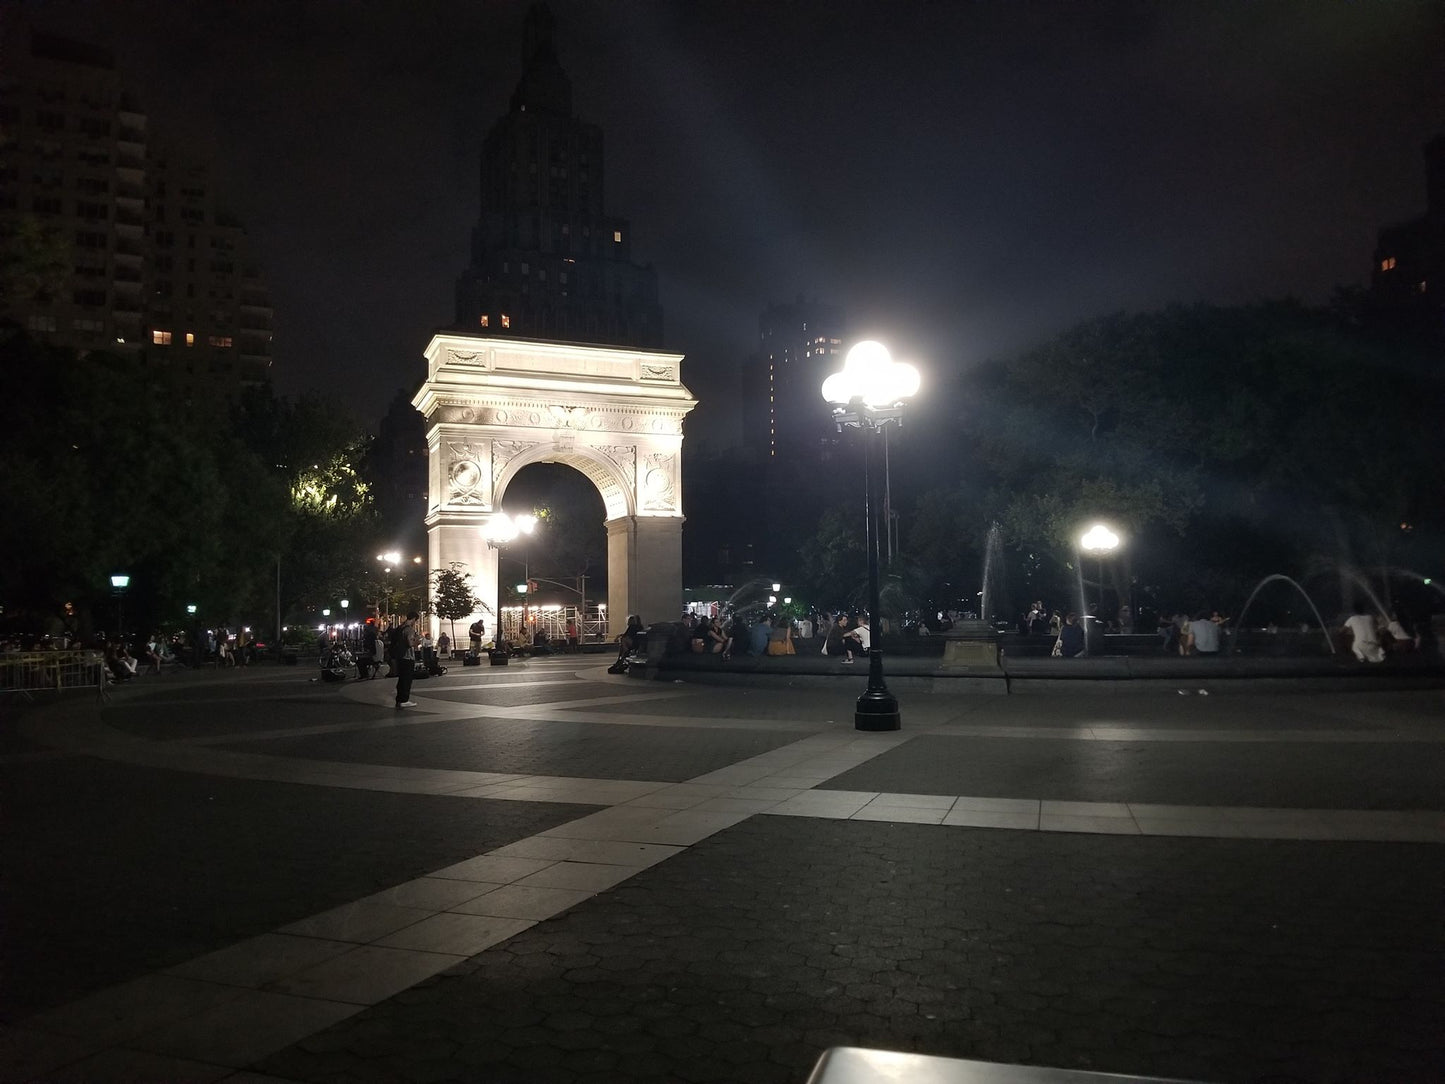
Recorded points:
(466,476)
(658,487)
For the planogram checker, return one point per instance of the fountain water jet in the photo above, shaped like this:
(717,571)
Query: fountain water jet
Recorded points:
(1239,623)
(992,595)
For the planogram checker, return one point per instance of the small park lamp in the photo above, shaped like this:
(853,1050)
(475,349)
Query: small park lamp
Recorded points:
(867,394)
(119,582)
(191,608)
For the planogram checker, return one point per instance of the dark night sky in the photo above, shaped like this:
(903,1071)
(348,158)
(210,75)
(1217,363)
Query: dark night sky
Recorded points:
(965,178)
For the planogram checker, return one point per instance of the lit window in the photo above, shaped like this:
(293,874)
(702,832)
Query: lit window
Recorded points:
(161,338)
(1387,264)
(221,341)
(617,236)
(190,338)
(484,320)
(506,320)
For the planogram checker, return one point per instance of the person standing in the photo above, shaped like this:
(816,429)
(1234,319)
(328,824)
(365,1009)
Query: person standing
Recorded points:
(367,663)
(404,640)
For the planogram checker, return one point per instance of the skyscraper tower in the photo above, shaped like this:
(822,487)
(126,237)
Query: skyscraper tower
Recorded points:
(548,262)
(132,247)
(1408,281)
(799,344)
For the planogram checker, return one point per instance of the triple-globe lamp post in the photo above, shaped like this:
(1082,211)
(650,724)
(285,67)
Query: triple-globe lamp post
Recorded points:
(867,394)
(502,529)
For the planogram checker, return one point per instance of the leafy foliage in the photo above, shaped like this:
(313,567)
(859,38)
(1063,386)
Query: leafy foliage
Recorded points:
(110,467)
(452,594)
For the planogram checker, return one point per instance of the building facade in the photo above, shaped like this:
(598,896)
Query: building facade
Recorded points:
(122,241)
(799,345)
(1407,282)
(548,261)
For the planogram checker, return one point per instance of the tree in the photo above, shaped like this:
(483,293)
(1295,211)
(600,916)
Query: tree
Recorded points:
(452,595)
(1236,441)
(835,559)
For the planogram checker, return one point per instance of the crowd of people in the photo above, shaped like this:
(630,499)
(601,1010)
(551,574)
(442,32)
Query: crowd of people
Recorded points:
(839,635)
(1372,636)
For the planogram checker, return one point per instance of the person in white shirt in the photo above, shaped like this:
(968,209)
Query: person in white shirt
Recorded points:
(1365,642)
(1202,635)
(857,638)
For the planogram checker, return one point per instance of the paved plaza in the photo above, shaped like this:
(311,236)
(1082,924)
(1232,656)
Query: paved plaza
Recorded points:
(547,873)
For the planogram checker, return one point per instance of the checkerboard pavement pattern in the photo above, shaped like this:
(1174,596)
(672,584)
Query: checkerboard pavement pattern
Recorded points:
(554,874)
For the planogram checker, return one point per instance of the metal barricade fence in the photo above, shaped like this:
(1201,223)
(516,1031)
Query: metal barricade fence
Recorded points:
(27,672)
(554,619)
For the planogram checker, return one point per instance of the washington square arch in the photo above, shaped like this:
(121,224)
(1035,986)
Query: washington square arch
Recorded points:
(495,405)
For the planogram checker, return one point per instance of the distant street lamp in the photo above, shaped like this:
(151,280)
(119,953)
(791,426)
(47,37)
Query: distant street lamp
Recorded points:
(191,608)
(387,560)
(119,582)
(868,393)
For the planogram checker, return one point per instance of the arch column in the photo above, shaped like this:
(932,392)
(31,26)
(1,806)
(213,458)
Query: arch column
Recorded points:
(462,539)
(644,569)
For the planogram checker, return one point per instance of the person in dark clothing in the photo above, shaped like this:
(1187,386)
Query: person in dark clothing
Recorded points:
(1071,637)
(404,641)
(367,663)
(633,638)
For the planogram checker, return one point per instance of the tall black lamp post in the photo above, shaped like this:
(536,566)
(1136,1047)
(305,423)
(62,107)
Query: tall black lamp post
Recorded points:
(1100,541)
(868,394)
(118,583)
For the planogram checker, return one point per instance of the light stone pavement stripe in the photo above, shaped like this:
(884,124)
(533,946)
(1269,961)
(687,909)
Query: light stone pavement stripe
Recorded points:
(1145,734)
(319,970)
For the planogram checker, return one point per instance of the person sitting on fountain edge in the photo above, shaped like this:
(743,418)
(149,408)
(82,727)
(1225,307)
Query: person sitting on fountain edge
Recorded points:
(1071,637)
(1201,637)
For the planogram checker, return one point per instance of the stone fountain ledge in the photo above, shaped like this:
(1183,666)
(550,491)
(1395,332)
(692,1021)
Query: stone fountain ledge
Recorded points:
(1005,674)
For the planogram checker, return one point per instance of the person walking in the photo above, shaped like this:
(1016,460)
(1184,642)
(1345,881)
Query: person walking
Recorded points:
(404,640)
(1364,631)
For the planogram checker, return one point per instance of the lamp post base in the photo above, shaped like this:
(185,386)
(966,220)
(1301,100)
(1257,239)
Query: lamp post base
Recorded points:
(877,709)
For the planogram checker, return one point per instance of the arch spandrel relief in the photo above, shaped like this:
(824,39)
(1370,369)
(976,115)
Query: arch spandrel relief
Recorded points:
(468,474)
